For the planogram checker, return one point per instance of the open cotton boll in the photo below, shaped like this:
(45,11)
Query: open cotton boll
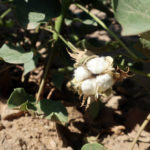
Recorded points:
(81,73)
(97,65)
(88,87)
(104,82)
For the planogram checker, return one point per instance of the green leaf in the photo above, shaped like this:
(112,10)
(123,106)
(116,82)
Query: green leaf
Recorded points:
(145,43)
(31,106)
(23,106)
(30,65)
(142,48)
(139,54)
(90,22)
(54,110)
(28,106)
(133,15)
(146,35)
(31,13)
(145,40)
(15,55)
(58,79)
(93,146)
(19,97)
(86,21)
(94,109)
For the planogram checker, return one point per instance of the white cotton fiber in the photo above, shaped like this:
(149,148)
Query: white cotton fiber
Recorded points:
(104,82)
(88,87)
(81,73)
(97,65)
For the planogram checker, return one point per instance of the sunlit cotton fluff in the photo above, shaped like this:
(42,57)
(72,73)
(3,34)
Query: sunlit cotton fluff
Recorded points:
(97,65)
(88,87)
(81,73)
(104,82)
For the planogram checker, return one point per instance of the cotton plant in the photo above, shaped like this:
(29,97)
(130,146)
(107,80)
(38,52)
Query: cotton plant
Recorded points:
(94,75)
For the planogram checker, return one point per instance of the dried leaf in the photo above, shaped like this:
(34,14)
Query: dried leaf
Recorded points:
(81,57)
(120,75)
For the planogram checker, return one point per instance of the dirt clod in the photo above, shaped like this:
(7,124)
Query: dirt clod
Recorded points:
(10,114)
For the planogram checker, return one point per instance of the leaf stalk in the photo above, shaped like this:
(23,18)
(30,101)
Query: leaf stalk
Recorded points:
(58,24)
(144,124)
(101,23)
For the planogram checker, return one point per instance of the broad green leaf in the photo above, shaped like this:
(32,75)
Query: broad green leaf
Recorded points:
(143,48)
(19,97)
(15,55)
(58,79)
(29,66)
(139,54)
(145,35)
(23,106)
(31,13)
(31,106)
(28,106)
(133,15)
(145,40)
(94,109)
(145,43)
(54,110)
(93,146)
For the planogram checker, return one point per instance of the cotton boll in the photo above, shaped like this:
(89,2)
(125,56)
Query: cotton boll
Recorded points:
(81,73)
(88,87)
(109,59)
(97,65)
(104,82)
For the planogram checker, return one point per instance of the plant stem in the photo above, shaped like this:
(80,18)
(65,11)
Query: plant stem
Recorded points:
(68,43)
(38,96)
(109,31)
(5,13)
(58,24)
(60,18)
(146,121)
(140,72)
(73,48)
